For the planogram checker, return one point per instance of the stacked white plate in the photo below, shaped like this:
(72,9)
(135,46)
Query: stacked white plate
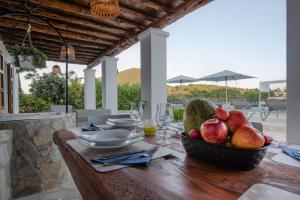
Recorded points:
(127,123)
(110,139)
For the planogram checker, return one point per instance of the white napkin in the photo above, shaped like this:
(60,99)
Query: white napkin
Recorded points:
(287,160)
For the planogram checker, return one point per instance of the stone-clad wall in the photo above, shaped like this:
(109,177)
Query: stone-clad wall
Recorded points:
(36,162)
(5,157)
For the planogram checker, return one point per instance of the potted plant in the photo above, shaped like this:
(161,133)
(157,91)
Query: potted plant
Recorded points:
(27,58)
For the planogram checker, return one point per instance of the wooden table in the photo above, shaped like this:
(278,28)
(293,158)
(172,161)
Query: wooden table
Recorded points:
(173,178)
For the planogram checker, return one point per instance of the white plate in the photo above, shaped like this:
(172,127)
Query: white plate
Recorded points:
(124,126)
(108,137)
(123,121)
(93,145)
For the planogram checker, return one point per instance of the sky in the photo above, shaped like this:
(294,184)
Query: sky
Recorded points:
(247,37)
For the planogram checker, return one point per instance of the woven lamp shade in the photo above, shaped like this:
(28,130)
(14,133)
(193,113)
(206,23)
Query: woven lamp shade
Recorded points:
(108,9)
(71,52)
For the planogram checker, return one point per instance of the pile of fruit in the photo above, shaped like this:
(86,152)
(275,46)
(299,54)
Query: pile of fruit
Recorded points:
(217,126)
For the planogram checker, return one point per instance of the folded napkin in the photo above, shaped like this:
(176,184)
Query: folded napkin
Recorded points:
(141,158)
(92,127)
(295,153)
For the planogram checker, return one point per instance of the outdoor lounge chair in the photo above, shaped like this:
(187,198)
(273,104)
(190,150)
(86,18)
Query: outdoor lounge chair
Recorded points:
(244,106)
(274,105)
(240,104)
(82,115)
(98,120)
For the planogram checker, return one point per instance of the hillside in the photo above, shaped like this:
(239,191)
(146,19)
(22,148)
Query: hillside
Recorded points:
(130,76)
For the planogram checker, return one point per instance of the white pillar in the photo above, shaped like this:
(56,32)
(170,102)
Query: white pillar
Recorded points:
(89,89)
(293,71)
(109,84)
(153,69)
(15,91)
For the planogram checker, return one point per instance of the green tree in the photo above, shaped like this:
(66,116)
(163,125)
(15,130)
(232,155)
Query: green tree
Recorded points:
(127,94)
(30,103)
(50,87)
(76,93)
(98,93)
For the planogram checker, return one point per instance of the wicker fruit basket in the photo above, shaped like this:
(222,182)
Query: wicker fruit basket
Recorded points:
(242,159)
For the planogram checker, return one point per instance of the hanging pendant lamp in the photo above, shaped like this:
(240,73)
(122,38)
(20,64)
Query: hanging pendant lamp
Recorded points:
(108,9)
(71,52)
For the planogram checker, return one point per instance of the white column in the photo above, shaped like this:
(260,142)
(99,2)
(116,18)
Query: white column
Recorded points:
(109,84)
(89,89)
(153,69)
(15,91)
(293,71)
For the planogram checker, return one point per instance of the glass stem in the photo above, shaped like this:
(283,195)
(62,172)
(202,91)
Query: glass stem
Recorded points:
(164,133)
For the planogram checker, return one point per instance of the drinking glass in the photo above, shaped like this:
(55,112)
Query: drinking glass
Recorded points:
(164,116)
(136,112)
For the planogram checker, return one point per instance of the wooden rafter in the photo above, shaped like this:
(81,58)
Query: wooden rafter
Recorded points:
(50,39)
(9,23)
(67,28)
(183,9)
(92,36)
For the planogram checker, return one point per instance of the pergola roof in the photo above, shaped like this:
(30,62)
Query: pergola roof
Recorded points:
(92,37)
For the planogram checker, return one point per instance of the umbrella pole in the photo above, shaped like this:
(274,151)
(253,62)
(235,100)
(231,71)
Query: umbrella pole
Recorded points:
(181,90)
(226,90)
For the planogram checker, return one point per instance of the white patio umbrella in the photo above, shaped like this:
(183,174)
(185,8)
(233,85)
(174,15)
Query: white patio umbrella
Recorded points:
(225,75)
(181,79)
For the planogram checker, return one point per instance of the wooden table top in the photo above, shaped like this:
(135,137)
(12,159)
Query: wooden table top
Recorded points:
(180,177)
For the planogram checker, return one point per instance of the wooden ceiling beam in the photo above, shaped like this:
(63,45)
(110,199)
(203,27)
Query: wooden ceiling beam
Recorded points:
(183,9)
(56,56)
(63,18)
(77,58)
(136,16)
(8,23)
(83,12)
(79,62)
(52,39)
(53,49)
(64,27)
(148,4)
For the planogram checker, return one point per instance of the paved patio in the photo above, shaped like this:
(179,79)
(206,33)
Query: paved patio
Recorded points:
(66,191)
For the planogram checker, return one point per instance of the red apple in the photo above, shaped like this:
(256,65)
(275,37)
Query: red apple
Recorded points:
(236,120)
(214,131)
(268,140)
(221,114)
(195,134)
(247,137)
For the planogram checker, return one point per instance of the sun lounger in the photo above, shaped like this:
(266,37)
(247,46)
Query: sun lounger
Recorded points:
(244,106)
(274,105)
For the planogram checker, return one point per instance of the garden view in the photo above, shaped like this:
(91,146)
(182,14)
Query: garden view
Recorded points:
(49,88)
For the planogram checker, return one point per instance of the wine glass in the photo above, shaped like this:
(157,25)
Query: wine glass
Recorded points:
(136,112)
(164,116)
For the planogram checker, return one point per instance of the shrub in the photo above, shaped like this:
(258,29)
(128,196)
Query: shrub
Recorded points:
(178,114)
(30,103)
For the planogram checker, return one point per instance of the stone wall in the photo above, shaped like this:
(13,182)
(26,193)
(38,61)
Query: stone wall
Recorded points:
(5,157)
(36,162)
